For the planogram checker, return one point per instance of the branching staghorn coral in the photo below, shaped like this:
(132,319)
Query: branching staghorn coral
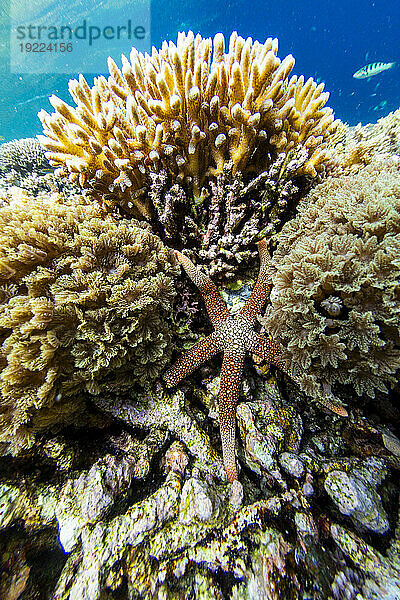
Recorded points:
(186,130)
(84,302)
(335,299)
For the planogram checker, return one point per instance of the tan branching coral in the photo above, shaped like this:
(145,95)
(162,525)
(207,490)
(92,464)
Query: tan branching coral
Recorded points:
(335,300)
(84,302)
(189,108)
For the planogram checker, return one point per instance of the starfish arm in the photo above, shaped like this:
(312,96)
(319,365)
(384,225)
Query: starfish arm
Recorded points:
(269,350)
(193,358)
(333,406)
(262,288)
(214,304)
(231,378)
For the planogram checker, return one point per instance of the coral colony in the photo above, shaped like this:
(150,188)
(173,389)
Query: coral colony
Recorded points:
(335,277)
(84,301)
(207,143)
(190,108)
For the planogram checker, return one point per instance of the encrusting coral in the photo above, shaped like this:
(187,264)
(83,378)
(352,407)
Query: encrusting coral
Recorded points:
(84,301)
(194,138)
(335,299)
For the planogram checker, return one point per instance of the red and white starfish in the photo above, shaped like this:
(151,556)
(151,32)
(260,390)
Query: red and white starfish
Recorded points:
(234,336)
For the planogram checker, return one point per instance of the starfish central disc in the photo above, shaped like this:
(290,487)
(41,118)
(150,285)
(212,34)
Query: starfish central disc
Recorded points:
(235,333)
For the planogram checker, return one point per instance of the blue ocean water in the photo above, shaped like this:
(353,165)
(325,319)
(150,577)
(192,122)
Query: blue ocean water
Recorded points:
(330,41)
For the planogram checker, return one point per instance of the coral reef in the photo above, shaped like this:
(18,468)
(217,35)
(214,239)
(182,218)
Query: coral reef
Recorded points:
(115,483)
(84,301)
(23,156)
(335,298)
(356,147)
(196,139)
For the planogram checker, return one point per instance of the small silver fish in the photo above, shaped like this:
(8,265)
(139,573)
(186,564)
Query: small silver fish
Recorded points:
(373,69)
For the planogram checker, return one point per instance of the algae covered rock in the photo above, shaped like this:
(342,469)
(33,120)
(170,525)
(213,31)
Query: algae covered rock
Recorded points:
(84,305)
(355,495)
(172,531)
